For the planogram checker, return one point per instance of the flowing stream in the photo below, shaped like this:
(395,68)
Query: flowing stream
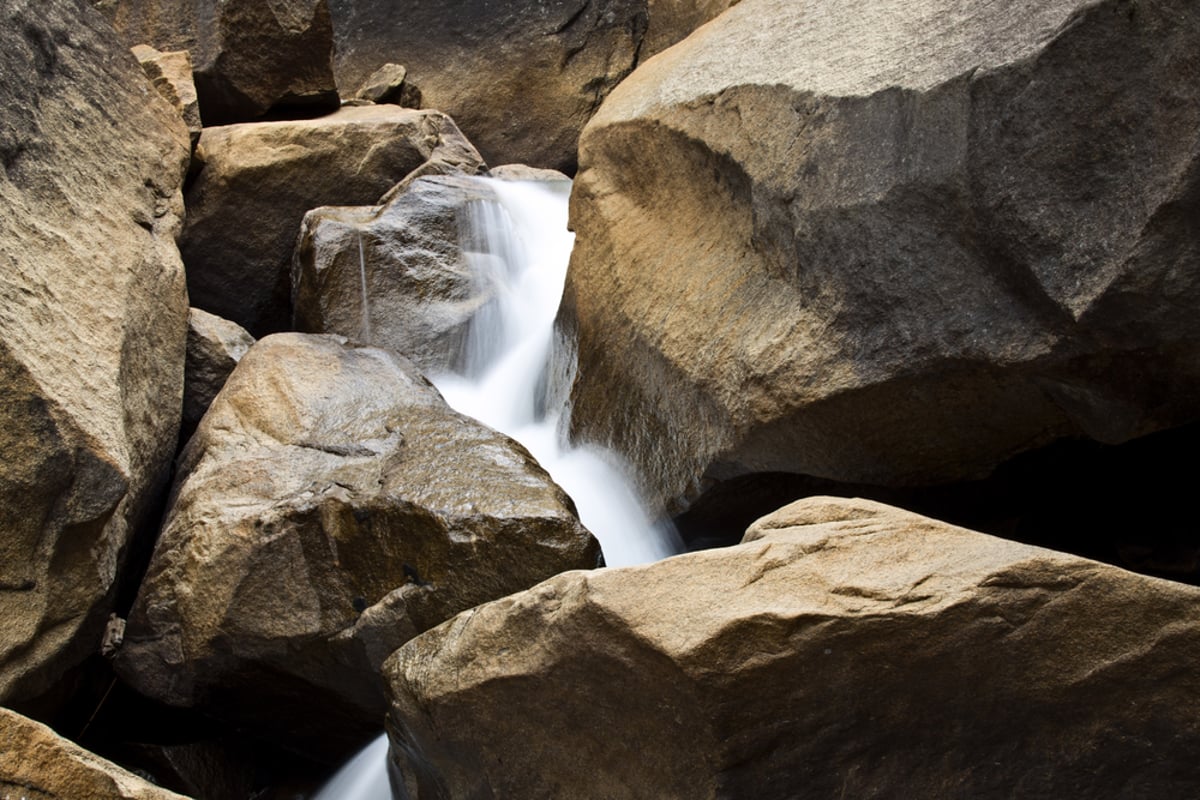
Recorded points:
(518,249)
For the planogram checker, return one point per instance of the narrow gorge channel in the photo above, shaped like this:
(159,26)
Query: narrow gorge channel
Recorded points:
(518,248)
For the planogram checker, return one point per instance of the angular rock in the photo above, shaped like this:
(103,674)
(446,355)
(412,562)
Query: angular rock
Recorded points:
(394,276)
(387,85)
(845,649)
(38,764)
(171,74)
(891,242)
(92,325)
(329,507)
(250,57)
(520,78)
(214,348)
(258,180)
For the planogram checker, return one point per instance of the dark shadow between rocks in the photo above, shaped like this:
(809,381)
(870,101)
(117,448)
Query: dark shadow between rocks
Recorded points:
(1126,504)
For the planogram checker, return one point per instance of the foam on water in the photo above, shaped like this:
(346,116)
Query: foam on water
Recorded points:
(518,249)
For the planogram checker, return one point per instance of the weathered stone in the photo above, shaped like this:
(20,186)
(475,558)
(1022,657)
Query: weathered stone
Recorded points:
(520,78)
(845,649)
(171,74)
(394,276)
(258,180)
(214,348)
(387,85)
(38,764)
(250,57)
(891,242)
(329,507)
(524,172)
(92,327)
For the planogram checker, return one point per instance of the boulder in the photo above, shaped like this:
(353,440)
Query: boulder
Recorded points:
(891,242)
(214,348)
(171,74)
(520,78)
(92,326)
(38,764)
(250,57)
(329,507)
(409,275)
(257,180)
(388,85)
(846,648)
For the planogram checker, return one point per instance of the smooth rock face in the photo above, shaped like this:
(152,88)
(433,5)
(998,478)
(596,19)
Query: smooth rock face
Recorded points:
(38,764)
(891,242)
(329,507)
(519,78)
(250,56)
(214,348)
(258,180)
(171,74)
(393,276)
(92,325)
(845,649)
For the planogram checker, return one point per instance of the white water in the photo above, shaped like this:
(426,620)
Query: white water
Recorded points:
(519,249)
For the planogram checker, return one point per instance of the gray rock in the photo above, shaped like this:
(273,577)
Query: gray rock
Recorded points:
(844,649)
(214,348)
(890,242)
(259,179)
(93,315)
(387,85)
(329,507)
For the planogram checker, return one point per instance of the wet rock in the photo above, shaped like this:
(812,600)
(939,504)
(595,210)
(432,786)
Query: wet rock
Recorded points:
(214,348)
(92,328)
(250,57)
(845,648)
(258,180)
(329,507)
(520,78)
(171,74)
(38,764)
(890,243)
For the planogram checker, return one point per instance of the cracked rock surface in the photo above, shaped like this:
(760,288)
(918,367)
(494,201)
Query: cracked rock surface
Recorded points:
(845,648)
(329,507)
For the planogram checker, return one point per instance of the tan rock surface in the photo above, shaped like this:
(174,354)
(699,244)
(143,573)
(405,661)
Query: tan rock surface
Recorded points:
(38,764)
(520,78)
(171,74)
(250,56)
(890,242)
(329,507)
(214,348)
(845,649)
(259,179)
(92,324)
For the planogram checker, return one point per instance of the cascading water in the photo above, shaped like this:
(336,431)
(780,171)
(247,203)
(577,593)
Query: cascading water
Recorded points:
(518,248)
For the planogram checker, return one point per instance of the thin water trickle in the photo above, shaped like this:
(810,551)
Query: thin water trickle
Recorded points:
(364,305)
(518,248)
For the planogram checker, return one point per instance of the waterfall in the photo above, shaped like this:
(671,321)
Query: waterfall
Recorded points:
(518,248)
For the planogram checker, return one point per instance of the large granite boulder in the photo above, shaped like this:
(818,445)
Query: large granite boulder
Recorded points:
(409,275)
(93,314)
(38,764)
(259,179)
(845,649)
(250,57)
(329,507)
(520,78)
(891,242)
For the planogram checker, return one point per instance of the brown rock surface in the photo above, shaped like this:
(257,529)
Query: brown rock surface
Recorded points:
(891,242)
(92,324)
(250,56)
(214,348)
(845,649)
(259,179)
(171,74)
(38,764)
(329,507)
(520,78)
